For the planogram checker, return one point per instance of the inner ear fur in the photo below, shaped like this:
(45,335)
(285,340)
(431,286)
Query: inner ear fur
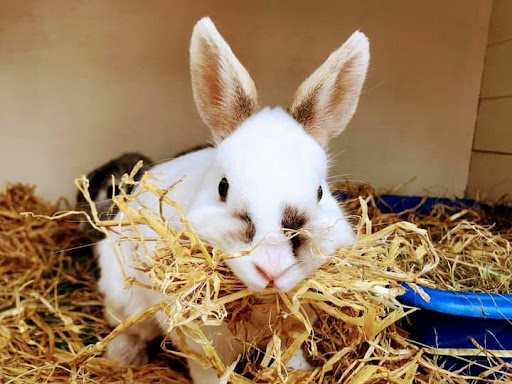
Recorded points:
(326,101)
(224,93)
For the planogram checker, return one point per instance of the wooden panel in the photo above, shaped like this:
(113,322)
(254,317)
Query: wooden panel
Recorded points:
(490,177)
(501,25)
(494,125)
(84,81)
(497,78)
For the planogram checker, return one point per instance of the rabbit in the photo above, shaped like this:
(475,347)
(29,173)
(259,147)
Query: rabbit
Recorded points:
(101,190)
(266,173)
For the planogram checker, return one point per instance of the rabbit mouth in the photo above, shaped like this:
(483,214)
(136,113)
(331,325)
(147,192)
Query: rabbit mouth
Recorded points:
(290,278)
(271,277)
(283,281)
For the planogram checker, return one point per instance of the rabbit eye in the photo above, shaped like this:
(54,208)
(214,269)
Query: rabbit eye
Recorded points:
(223,189)
(319,193)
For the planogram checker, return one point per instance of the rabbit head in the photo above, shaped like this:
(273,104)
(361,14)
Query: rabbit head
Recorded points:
(265,195)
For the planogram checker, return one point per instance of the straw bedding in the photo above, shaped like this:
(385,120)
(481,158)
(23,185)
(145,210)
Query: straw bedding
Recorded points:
(52,328)
(475,243)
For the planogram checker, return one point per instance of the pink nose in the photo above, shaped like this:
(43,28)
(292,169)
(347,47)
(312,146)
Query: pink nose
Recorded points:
(267,275)
(272,260)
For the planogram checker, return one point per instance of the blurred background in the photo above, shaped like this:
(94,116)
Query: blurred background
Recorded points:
(82,82)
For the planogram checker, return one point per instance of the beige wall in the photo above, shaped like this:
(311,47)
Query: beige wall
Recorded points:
(83,81)
(490,175)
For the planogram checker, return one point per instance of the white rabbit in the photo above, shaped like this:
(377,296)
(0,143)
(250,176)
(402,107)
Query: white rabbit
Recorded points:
(266,172)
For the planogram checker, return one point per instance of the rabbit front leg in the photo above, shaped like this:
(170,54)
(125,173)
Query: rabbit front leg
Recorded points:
(201,375)
(298,361)
(226,346)
(228,354)
(130,347)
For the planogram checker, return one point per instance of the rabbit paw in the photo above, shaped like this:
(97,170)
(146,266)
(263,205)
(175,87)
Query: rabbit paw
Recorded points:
(128,349)
(298,361)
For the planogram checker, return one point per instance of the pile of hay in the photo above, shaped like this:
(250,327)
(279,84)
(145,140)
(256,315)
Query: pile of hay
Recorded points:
(474,242)
(51,326)
(50,309)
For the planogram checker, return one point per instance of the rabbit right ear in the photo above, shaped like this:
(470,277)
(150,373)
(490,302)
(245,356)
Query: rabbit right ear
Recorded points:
(326,101)
(224,93)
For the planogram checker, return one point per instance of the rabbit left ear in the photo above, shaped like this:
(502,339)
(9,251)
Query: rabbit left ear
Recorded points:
(326,101)
(224,93)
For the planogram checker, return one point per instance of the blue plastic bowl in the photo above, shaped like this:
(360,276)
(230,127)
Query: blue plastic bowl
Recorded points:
(454,319)
(457,320)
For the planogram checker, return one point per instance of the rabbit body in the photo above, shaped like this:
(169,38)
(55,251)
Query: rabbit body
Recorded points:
(265,176)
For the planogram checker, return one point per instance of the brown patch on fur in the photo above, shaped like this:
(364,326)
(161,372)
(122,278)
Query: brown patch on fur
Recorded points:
(249,230)
(304,113)
(341,95)
(326,101)
(297,241)
(223,104)
(244,106)
(294,220)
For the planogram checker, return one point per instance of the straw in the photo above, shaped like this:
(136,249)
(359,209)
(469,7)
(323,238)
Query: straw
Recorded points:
(346,316)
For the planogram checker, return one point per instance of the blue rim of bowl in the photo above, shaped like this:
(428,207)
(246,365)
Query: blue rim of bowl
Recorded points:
(459,303)
(468,304)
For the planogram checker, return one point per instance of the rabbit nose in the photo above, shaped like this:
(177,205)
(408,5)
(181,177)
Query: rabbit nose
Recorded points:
(271,261)
(270,277)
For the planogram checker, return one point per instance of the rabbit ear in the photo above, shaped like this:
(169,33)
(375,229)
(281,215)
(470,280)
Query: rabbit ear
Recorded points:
(224,93)
(326,100)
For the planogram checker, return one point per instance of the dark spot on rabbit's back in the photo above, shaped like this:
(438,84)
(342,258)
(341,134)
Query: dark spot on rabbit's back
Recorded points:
(101,188)
(248,230)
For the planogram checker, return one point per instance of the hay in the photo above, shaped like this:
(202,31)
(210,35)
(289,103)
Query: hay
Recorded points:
(50,332)
(50,309)
(474,243)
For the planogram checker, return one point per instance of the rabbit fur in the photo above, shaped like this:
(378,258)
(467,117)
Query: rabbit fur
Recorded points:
(267,172)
